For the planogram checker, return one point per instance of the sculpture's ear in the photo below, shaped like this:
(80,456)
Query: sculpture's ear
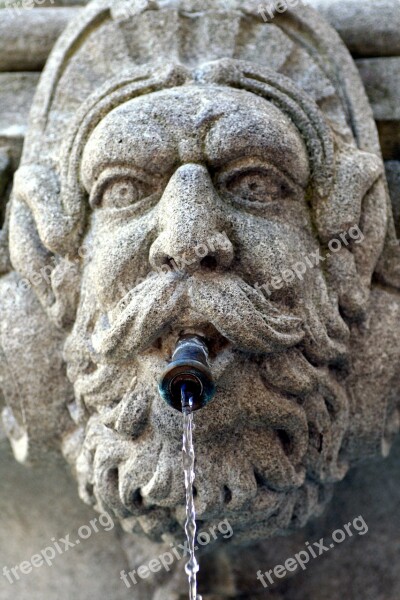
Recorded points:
(355,174)
(33,382)
(358,203)
(40,189)
(41,232)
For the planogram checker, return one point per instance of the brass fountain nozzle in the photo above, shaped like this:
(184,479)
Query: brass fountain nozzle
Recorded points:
(189,371)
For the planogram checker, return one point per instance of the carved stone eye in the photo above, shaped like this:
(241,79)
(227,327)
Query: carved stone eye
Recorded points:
(122,193)
(257,185)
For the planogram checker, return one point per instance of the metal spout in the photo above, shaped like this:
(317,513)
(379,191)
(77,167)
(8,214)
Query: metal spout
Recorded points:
(190,372)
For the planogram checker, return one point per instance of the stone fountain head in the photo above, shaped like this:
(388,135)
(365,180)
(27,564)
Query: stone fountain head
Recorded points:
(201,172)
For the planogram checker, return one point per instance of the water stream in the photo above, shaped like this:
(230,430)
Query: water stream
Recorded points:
(192,566)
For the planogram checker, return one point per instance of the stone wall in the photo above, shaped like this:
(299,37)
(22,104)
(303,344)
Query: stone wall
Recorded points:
(369,29)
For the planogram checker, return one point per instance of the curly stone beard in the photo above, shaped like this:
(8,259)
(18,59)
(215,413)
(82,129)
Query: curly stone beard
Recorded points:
(268,447)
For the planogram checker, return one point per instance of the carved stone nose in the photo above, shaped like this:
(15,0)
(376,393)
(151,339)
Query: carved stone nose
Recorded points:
(190,221)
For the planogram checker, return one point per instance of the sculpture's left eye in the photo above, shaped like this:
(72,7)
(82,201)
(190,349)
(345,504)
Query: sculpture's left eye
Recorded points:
(257,185)
(123,193)
(251,185)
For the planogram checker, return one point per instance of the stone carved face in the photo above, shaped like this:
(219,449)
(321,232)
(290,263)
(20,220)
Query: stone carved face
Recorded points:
(182,201)
(183,168)
(225,172)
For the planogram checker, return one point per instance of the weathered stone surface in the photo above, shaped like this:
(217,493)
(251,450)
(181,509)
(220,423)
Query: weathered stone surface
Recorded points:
(16,95)
(24,6)
(368,27)
(27,5)
(189,168)
(393,177)
(26,39)
(381,77)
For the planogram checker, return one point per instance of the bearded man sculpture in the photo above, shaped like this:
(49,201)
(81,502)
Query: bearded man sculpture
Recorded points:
(193,169)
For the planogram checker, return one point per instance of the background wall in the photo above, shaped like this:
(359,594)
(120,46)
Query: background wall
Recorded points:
(370,29)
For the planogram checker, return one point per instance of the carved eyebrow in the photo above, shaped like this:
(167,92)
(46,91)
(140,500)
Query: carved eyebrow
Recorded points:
(207,118)
(251,147)
(256,163)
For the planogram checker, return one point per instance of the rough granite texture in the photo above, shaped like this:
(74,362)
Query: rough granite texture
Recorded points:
(381,78)
(369,28)
(27,36)
(189,168)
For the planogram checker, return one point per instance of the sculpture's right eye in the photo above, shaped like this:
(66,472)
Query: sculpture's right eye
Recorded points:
(122,193)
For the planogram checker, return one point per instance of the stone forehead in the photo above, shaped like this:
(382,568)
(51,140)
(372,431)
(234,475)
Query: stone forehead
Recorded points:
(220,120)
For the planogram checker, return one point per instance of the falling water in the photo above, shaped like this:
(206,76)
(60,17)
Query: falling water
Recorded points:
(192,566)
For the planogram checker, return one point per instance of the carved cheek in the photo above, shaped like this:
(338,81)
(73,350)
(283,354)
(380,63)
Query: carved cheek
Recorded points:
(120,256)
(269,248)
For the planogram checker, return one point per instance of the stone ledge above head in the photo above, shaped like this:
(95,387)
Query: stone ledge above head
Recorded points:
(381,78)
(393,179)
(368,28)
(27,39)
